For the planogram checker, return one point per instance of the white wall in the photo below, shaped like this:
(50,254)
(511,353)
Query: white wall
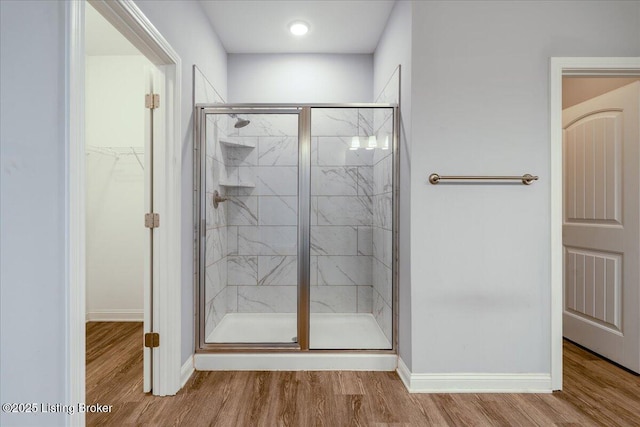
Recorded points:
(115,125)
(299,78)
(394,48)
(185,26)
(32,209)
(482,299)
(480,265)
(114,106)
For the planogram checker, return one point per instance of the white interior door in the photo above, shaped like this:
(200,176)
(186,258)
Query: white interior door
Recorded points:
(154,81)
(601,225)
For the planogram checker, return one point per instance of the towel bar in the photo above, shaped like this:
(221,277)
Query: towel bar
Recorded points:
(526,179)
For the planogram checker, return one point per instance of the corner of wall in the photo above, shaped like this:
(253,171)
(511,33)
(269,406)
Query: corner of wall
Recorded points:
(395,48)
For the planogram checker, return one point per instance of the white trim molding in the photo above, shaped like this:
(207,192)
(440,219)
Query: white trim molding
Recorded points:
(305,361)
(568,66)
(186,371)
(75,205)
(473,383)
(404,373)
(167,289)
(129,20)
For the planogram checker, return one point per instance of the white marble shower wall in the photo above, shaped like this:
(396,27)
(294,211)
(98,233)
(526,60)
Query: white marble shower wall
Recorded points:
(383,161)
(216,293)
(342,211)
(263,214)
(382,242)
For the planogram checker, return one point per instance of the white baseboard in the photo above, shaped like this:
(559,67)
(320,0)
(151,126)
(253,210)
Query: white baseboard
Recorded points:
(186,371)
(404,373)
(296,362)
(115,315)
(473,383)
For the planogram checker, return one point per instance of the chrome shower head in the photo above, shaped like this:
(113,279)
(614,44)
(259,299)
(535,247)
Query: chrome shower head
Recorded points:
(240,123)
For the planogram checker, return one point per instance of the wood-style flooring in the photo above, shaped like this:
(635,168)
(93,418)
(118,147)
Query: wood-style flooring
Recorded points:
(596,393)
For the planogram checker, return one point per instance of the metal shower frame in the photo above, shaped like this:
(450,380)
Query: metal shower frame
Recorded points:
(304,227)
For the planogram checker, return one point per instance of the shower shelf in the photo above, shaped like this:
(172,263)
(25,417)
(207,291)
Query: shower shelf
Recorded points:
(238,184)
(236,144)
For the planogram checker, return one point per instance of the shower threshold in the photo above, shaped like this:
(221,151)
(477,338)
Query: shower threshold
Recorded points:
(328,331)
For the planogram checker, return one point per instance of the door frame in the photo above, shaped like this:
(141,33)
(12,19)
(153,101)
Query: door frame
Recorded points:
(559,67)
(134,25)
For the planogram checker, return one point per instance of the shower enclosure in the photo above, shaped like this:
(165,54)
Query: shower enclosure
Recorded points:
(295,210)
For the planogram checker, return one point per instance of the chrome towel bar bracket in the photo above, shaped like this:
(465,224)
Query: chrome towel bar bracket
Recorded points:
(526,179)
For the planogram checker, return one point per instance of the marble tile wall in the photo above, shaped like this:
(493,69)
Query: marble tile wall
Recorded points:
(216,235)
(262,220)
(251,262)
(342,211)
(263,215)
(382,235)
(382,243)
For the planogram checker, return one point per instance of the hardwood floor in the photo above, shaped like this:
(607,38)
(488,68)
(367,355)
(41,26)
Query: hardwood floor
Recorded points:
(596,393)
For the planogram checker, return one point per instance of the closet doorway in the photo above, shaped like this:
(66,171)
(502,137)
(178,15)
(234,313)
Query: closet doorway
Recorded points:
(119,194)
(162,368)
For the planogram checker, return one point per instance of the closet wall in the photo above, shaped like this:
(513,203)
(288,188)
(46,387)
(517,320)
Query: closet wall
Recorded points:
(115,128)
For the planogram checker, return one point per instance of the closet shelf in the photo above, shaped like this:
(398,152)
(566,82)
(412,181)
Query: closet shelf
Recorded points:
(238,184)
(236,143)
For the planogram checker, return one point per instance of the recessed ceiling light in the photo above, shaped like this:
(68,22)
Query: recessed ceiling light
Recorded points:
(299,28)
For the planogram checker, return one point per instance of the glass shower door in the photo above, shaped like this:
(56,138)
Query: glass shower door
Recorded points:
(249,233)
(351,228)
(296,217)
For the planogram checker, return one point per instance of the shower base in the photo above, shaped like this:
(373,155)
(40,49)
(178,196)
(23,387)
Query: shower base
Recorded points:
(328,331)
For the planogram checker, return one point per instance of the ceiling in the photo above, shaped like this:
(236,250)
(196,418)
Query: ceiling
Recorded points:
(102,38)
(336,26)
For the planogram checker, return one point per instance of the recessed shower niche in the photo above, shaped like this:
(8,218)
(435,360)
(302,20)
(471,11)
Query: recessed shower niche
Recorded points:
(295,214)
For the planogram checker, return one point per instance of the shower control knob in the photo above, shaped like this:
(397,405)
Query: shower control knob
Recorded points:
(217,199)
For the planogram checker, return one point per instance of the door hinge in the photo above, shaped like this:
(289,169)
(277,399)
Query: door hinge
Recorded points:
(152,100)
(152,340)
(152,220)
